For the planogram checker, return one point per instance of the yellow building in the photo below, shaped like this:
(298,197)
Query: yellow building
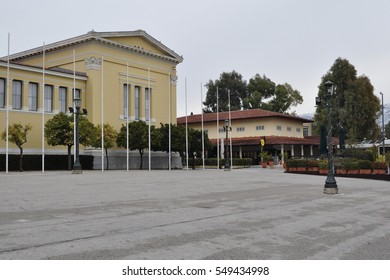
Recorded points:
(103,67)
(282,133)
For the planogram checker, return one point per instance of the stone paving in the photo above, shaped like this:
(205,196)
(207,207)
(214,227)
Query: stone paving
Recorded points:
(198,214)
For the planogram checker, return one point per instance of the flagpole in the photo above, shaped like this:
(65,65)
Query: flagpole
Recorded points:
(169,123)
(73,105)
(217,131)
(43,107)
(7,109)
(230,125)
(150,143)
(127,117)
(185,87)
(201,108)
(102,109)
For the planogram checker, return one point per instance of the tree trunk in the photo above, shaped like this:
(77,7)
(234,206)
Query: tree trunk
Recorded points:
(106,158)
(21,160)
(69,158)
(141,152)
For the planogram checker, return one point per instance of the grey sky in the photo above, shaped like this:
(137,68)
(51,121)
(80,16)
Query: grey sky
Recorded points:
(288,41)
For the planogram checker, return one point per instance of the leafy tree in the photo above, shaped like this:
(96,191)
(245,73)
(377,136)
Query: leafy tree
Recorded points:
(17,134)
(355,107)
(138,138)
(387,130)
(228,81)
(109,136)
(264,94)
(59,131)
(195,144)
(178,134)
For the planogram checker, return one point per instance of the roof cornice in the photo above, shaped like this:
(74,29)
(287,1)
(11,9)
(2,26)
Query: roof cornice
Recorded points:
(102,37)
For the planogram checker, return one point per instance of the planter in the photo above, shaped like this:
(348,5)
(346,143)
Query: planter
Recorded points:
(264,164)
(379,171)
(301,169)
(313,169)
(353,171)
(271,163)
(341,171)
(323,171)
(365,171)
(292,169)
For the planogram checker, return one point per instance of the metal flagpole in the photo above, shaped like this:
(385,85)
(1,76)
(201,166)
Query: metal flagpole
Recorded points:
(170,121)
(149,144)
(127,116)
(102,109)
(217,131)
(185,90)
(43,107)
(7,109)
(230,125)
(201,108)
(73,105)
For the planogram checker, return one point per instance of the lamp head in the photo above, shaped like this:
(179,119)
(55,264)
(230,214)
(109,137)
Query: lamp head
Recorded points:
(77,102)
(226,123)
(329,84)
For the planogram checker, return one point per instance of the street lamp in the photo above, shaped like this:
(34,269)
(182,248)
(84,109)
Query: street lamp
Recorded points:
(330,182)
(227,129)
(77,104)
(383,126)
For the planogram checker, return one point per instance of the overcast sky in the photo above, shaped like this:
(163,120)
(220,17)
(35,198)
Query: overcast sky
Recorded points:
(289,41)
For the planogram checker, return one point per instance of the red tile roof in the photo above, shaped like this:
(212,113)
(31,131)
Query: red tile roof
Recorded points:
(237,115)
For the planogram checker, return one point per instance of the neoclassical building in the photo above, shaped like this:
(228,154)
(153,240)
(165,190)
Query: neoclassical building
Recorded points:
(281,132)
(119,76)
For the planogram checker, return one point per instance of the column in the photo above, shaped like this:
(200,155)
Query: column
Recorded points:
(240,151)
(311,150)
(282,151)
(302,151)
(292,151)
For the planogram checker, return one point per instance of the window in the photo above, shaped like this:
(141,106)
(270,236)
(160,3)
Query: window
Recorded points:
(33,96)
(148,95)
(259,127)
(2,93)
(288,128)
(125,100)
(62,99)
(221,130)
(305,131)
(136,102)
(48,98)
(278,127)
(17,95)
(298,130)
(241,129)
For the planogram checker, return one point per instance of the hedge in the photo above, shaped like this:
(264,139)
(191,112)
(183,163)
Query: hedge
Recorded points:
(34,162)
(213,162)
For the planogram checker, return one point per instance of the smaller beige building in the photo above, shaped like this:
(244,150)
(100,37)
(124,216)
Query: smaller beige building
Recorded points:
(281,133)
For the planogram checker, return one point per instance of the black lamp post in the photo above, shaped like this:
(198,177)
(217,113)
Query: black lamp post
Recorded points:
(77,104)
(330,182)
(227,128)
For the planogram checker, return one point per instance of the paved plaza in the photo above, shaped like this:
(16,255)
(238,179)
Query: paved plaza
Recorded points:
(202,214)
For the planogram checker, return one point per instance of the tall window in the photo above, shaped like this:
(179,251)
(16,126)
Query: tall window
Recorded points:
(125,100)
(147,103)
(136,102)
(33,96)
(259,127)
(17,95)
(48,98)
(278,127)
(62,99)
(2,93)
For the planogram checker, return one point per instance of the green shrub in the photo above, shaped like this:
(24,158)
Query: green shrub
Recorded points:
(213,162)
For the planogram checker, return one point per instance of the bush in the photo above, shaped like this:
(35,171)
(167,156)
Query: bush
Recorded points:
(292,163)
(359,154)
(365,164)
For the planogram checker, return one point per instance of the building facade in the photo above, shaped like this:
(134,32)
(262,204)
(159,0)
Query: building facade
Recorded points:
(119,76)
(281,133)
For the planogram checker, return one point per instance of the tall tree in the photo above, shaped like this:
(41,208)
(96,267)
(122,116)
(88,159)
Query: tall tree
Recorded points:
(228,82)
(387,130)
(355,107)
(109,136)
(17,134)
(264,94)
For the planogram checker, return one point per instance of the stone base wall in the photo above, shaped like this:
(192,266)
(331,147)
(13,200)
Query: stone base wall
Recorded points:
(117,160)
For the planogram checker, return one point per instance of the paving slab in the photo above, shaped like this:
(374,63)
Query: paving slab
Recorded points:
(249,213)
